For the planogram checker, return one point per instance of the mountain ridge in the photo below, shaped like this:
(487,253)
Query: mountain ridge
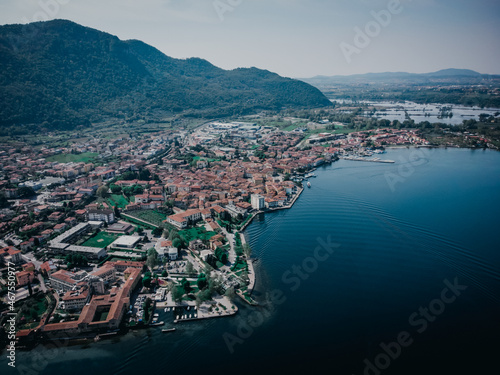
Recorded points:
(59,74)
(449,72)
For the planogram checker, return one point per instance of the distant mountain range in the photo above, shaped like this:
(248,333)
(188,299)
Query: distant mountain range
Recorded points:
(445,75)
(59,74)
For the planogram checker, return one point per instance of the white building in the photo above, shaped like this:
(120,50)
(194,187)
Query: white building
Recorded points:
(125,242)
(258,202)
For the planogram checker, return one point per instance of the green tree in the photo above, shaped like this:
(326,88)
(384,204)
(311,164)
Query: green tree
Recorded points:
(146,280)
(221,255)
(202,281)
(189,268)
(152,259)
(115,189)
(177,293)
(25,192)
(186,285)
(102,192)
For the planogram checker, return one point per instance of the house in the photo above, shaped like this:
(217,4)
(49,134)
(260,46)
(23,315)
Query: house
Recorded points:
(25,277)
(173,253)
(11,254)
(48,267)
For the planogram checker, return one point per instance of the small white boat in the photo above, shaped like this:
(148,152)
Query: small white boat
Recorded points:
(308,184)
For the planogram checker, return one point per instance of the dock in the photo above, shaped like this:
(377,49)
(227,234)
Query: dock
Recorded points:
(372,160)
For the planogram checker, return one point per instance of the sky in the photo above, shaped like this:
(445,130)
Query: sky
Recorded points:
(295,38)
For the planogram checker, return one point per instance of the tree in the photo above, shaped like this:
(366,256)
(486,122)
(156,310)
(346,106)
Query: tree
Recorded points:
(102,192)
(202,281)
(34,313)
(25,192)
(164,273)
(146,280)
(205,294)
(157,231)
(177,293)
(152,259)
(221,255)
(115,189)
(177,242)
(30,290)
(138,189)
(186,285)
(189,268)
(230,293)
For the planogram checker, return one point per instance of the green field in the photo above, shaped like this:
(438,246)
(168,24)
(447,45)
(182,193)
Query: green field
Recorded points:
(68,158)
(150,216)
(118,200)
(101,240)
(196,233)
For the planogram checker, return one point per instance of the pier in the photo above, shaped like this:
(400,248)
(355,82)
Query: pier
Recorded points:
(373,160)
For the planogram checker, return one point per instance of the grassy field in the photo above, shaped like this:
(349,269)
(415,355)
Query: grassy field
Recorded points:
(150,216)
(68,158)
(196,233)
(101,240)
(118,200)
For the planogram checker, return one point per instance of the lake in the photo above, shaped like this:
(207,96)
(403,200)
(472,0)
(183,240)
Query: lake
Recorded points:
(377,269)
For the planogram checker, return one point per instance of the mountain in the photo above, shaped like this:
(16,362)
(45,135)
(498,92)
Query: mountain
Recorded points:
(448,75)
(59,74)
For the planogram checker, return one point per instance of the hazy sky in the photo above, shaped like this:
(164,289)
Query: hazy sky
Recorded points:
(295,38)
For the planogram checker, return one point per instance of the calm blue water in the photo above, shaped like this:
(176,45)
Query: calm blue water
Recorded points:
(392,244)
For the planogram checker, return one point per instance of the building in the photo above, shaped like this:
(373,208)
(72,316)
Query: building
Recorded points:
(62,243)
(48,267)
(183,219)
(107,216)
(101,312)
(107,272)
(64,280)
(120,228)
(125,242)
(11,254)
(122,265)
(173,253)
(258,202)
(25,277)
(76,300)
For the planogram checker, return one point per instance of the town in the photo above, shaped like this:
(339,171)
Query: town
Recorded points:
(111,234)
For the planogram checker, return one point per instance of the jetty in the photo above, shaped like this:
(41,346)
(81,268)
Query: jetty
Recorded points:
(372,160)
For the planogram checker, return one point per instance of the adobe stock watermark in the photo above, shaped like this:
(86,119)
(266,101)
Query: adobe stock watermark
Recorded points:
(421,319)
(293,277)
(372,29)
(49,9)
(223,6)
(406,167)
